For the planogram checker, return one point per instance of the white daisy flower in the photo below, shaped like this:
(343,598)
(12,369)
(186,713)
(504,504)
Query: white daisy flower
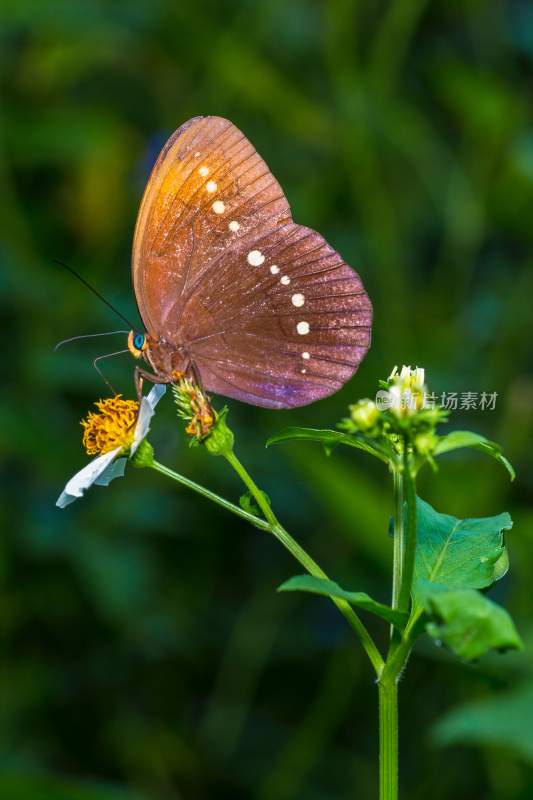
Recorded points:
(115,432)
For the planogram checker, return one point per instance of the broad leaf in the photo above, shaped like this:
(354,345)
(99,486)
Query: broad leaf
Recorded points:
(457,439)
(458,553)
(469,623)
(328,438)
(503,719)
(327,588)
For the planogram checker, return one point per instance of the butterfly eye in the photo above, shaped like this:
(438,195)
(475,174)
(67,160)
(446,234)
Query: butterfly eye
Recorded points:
(136,343)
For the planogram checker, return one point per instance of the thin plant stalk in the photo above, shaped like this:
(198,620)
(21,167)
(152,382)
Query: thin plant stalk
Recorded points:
(409,550)
(388,672)
(305,560)
(202,490)
(398,535)
(401,643)
(273,526)
(388,740)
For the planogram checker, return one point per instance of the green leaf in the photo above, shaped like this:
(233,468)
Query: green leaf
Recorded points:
(458,553)
(503,719)
(469,623)
(248,503)
(328,438)
(327,588)
(458,439)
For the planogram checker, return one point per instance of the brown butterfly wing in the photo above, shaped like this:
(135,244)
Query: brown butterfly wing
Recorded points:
(207,176)
(283,333)
(268,311)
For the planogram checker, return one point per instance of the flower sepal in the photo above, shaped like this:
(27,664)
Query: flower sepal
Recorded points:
(143,456)
(205,426)
(221,439)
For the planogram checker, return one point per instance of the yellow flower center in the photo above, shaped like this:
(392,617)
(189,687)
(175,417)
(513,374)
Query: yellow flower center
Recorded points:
(113,426)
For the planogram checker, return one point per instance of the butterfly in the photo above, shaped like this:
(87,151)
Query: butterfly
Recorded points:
(231,291)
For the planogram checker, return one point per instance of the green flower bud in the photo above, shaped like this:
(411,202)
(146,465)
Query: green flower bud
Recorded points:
(425,443)
(364,414)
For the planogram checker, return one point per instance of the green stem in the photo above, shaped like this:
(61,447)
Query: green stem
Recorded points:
(306,561)
(401,644)
(397,657)
(252,487)
(399,651)
(398,535)
(271,524)
(409,554)
(221,501)
(388,740)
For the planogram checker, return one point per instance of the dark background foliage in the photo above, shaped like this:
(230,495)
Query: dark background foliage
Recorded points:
(143,650)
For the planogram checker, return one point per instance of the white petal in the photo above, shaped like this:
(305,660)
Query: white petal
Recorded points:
(156,393)
(85,478)
(146,412)
(395,397)
(114,470)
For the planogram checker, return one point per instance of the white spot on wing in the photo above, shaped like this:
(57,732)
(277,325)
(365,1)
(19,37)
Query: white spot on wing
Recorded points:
(298,300)
(203,171)
(274,269)
(303,328)
(285,280)
(255,258)
(197,154)
(303,371)
(234,226)
(306,355)
(211,186)
(218,207)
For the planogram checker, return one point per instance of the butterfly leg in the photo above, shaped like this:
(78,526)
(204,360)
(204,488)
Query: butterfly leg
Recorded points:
(193,372)
(195,375)
(141,374)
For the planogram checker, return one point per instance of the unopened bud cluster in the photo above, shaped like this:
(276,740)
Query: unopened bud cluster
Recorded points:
(364,414)
(399,411)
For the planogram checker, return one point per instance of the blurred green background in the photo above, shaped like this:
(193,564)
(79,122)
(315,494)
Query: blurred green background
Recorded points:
(143,650)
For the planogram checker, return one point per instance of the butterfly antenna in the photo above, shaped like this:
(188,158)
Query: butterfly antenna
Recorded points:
(94,291)
(99,371)
(85,336)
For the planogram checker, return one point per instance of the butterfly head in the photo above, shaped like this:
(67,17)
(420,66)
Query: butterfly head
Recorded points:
(137,343)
